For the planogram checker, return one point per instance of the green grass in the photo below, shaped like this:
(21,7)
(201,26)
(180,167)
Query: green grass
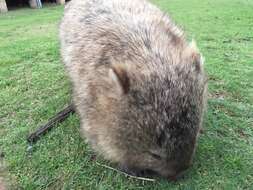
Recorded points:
(33,87)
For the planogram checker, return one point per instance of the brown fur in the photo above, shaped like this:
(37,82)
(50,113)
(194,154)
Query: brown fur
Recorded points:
(138,86)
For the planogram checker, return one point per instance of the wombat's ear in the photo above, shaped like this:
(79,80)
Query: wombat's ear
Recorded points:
(193,56)
(119,76)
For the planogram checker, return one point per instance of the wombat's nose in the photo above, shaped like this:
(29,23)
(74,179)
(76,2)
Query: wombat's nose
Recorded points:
(176,177)
(179,174)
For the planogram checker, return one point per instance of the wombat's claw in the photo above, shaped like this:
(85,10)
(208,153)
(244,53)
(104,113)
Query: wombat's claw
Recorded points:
(201,131)
(93,157)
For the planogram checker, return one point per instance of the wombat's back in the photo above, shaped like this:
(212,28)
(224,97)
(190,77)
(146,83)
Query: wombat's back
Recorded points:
(125,28)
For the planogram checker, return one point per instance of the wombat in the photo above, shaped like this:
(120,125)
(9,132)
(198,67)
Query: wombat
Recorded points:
(138,86)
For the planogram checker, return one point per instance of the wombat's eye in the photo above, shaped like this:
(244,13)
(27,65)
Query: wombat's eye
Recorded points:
(156,156)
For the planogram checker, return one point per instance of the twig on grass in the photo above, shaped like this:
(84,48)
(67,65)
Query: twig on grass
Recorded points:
(131,176)
(58,118)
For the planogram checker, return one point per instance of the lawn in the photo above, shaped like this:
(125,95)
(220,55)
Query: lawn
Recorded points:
(33,87)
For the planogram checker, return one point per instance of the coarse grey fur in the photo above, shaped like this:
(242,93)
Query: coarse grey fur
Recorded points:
(138,86)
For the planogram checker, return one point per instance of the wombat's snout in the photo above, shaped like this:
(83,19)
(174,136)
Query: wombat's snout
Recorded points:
(169,174)
(177,176)
(179,173)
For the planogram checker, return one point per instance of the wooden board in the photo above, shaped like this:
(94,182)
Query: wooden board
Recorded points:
(3,6)
(35,4)
(62,2)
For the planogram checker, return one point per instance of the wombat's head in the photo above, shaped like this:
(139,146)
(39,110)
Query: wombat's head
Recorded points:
(158,113)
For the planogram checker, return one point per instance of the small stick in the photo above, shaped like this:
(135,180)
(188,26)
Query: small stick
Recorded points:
(60,117)
(135,177)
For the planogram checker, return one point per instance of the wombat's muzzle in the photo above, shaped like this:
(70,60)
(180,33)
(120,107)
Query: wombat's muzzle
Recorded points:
(180,173)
